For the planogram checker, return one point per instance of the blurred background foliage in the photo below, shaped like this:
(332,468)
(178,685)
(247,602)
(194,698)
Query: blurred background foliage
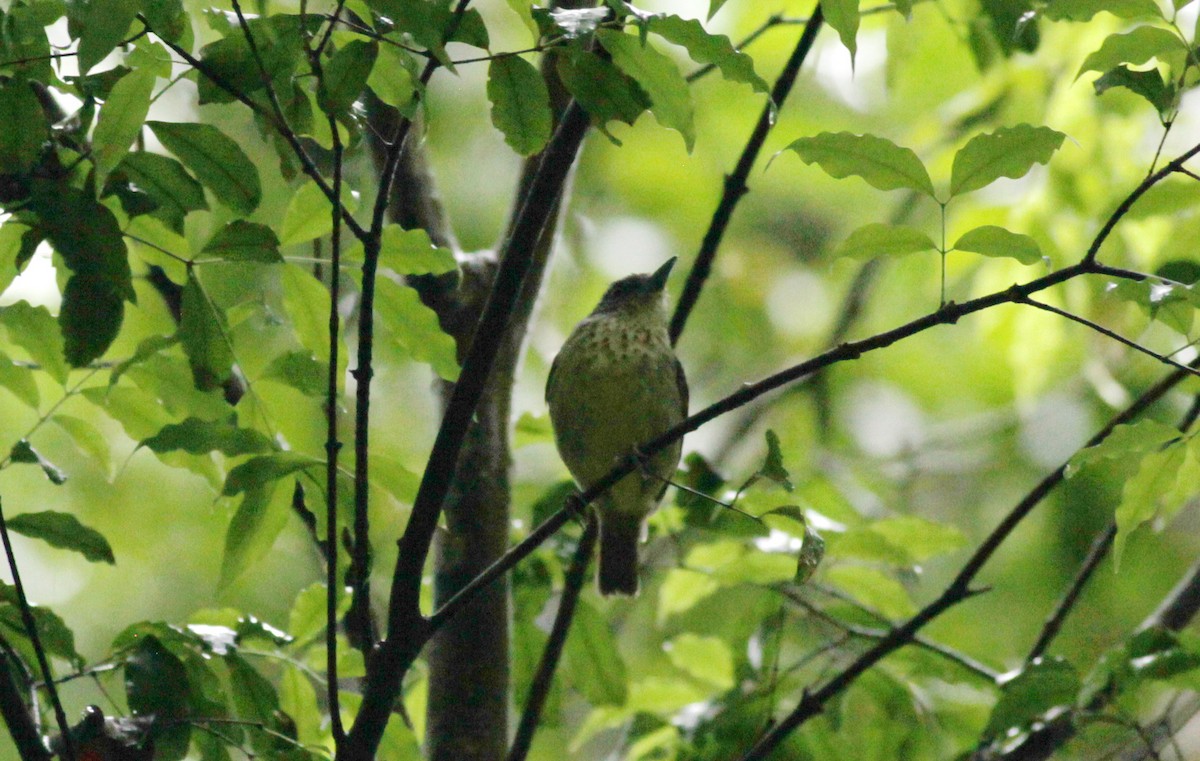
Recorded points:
(951,426)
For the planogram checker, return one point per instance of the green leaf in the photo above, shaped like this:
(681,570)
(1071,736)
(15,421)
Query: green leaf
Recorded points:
(415,327)
(167,18)
(772,467)
(230,59)
(1145,494)
(242,241)
(1147,84)
(1043,685)
(264,470)
(1124,441)
(64,531)
(12,235)
(670,99)
(217,161)
(35,330)
(705,658)
(873,589)
(520,104)
(166,181)
(1084,10)
(392,79)
(595,665)
(709,49)
(20,148)
(681,590)
(196,436)
(411,252)
(103,25)
(302,371)
(346,76)
(157,687)
(1136,47)
(56,637)
(306,301)
(876,239)
(23,452)
(307,617)
(427,22)
(309,214)
(19,380)
(85,233)
(714,6)
(87,439)
(882,163)
(1007,152)
(603,90)
(254,527)
(994,241)
(90,317)
(920,539)
(120,121)
(205,338)
(843,16)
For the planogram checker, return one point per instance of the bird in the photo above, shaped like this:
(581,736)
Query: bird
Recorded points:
(615,384)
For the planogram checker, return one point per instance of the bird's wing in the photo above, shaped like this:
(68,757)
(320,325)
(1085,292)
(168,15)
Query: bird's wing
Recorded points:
(681,382)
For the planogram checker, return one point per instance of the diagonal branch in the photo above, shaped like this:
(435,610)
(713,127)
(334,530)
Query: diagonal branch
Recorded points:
(735,183)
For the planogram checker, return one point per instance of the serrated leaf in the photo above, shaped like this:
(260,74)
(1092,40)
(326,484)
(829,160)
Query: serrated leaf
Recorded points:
(1142,497)
(346,76)
(1007,152)
(709,49)
(595,665)
(196,436)
(411,252)
(415,327)
(253,529)
(204,335)
(1043,685)
(261,471)
(876,239)
(603,90)
(1124,441)
(120,121)
(1147,84)
(1136,47)
(23,452)
(880,162)
(103,25)
(166,181)
(242,241)
(670,99)
(217,161)
(36,331)
(994,241)
(843,16)
(309,214)
(64,531)
(520,104)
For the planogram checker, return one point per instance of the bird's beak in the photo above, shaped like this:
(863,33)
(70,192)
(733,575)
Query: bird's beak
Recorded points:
(659,279)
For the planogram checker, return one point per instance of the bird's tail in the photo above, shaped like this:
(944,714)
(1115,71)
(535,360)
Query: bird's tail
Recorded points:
(619,536)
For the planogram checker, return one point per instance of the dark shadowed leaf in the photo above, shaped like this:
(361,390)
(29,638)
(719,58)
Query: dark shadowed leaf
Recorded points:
(64,531)
(197,436)
(217,161)
(23,452)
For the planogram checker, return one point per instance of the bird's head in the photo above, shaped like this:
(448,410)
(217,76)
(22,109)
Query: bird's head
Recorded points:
(637,292)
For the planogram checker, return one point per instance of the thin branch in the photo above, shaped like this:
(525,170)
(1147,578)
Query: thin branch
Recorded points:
(543,678)
(1054,622)
(31,630)
(70,54)
(18,718)
(1106,332)
(735,183)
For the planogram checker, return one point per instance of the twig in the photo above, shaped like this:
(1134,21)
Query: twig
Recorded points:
(1099,550)
(60,716)
(735,183)
(543,678)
